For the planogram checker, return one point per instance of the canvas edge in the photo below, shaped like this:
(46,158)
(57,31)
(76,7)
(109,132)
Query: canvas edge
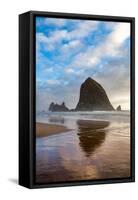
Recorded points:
(24,95)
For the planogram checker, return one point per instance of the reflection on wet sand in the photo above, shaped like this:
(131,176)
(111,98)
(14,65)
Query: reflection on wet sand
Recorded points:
(90,142)
(87,152)
(91,136)
(57,120)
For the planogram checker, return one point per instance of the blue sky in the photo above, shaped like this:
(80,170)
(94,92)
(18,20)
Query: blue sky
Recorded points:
(69,51)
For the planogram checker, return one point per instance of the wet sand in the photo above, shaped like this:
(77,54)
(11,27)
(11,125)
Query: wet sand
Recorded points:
(90,150)
(43,130)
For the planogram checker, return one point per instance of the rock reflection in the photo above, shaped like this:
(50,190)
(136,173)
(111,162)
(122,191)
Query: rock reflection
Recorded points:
(57,120)
(90,135)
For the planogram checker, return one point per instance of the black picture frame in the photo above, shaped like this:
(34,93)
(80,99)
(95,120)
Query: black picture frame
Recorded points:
(27,97)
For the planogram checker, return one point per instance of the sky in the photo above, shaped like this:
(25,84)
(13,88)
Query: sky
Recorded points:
(68,51)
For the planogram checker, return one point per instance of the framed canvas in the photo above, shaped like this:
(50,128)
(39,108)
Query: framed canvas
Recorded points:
(76,99)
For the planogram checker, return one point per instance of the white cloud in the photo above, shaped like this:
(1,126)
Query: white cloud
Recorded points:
(54,21)
(70,71)
(49,70)
(57,35)
(40,37)
(70,49)
(49,42)
(113,42)
(109,47)
(52,82)
(81,30)
(71,45)
(115,78)
(120,33)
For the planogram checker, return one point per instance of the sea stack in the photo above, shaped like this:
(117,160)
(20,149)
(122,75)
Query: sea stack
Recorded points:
(118,108)
(93,97)
(58,108)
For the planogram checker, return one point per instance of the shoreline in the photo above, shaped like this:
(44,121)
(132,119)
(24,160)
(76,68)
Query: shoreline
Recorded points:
(47,129)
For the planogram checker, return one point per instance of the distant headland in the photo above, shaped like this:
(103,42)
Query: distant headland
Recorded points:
(92,98)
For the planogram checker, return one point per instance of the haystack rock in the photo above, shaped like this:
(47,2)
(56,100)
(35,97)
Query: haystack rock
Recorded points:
(93,97)
(118,108)
(58,108)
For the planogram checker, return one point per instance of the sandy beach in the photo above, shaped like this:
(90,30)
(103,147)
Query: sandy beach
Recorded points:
(44,129)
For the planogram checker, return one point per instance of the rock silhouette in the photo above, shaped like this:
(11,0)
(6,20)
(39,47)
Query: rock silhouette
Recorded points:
(91,135)
(93,97)
(118,108)
(58,108)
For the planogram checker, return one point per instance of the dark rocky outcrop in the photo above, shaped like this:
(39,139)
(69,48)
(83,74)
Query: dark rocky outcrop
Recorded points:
(93,97)
(58,108)
(72,110)
(52,105)
(118,108)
